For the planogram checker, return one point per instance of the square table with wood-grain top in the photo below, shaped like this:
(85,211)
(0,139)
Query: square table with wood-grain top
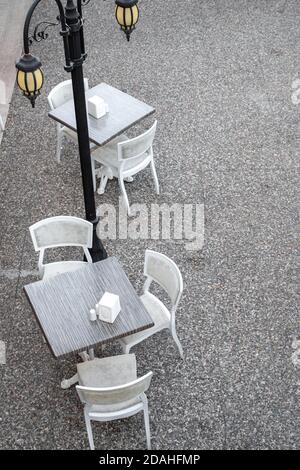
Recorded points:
(62,304)
(124,112)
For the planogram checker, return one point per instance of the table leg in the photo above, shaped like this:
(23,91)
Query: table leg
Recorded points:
(84,356)
(102,185)
(67,383)
(91,354)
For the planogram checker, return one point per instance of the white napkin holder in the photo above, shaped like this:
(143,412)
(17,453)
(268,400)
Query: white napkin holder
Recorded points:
(108,307)
(97,107)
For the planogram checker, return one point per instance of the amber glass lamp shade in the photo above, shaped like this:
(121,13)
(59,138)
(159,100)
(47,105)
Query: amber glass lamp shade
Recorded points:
(30,77)
(127,15)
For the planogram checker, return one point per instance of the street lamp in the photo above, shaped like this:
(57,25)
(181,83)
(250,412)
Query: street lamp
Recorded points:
(30,80)
(30,77)
(127,15)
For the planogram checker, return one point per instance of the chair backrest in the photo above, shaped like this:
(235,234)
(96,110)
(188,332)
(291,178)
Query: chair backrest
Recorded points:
(62,231)
(134,149)
(114,395)
(165,272)
(62,93)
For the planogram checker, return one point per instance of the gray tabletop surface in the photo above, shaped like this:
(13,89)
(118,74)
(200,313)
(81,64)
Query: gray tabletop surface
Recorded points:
(62,304)
(124,112)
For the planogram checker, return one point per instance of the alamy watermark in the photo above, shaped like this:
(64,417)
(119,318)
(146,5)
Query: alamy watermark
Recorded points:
(153,222)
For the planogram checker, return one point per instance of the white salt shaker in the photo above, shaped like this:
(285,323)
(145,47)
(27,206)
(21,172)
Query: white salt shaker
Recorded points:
(93,315)
(97,309)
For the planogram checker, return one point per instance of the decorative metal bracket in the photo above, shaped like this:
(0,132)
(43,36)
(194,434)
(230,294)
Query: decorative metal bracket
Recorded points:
(39,33)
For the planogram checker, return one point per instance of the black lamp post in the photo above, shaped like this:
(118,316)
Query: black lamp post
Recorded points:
(30,81)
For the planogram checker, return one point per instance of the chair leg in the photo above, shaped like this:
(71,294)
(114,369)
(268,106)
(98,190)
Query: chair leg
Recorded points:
(89,430)
(154,175)
(123,190)
(59,145)
(178,344)
(94,173)
(147,424)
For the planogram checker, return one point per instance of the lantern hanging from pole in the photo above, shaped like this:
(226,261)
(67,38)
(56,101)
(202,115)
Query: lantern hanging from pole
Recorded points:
(127,15)
(30,77)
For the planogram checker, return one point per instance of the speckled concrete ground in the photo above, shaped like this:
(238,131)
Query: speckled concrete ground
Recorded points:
(221,75)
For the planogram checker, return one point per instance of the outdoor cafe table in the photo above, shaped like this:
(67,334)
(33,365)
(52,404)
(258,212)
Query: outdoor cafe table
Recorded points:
(124,112)
(62,304)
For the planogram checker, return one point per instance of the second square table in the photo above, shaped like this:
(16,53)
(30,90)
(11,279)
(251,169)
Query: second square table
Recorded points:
(124,112)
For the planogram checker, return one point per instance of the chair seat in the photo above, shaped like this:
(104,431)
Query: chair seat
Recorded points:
(108,155)
(52,269)
(108,372)
(160,316)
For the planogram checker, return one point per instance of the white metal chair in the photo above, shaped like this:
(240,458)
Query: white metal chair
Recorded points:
(123,158)
(58,96)
(165,272)
(59,232)
(110,389)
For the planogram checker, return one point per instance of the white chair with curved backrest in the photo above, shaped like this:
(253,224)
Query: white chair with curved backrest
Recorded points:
(123,158)
(58,96)
(162,270)
(61,231)
(110,389)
